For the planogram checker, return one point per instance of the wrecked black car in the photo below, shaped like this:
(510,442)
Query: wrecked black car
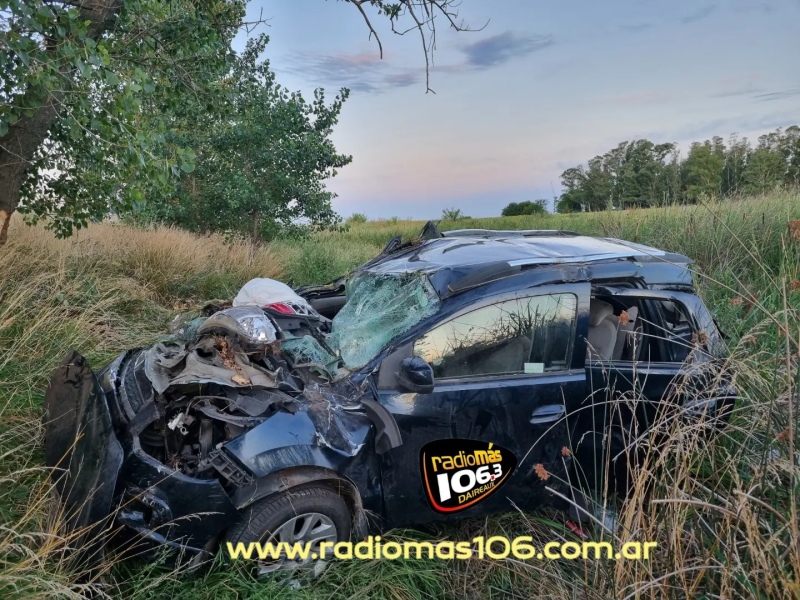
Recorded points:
(455,375)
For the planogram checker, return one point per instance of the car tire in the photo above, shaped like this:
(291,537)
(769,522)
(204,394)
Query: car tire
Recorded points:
(270,519)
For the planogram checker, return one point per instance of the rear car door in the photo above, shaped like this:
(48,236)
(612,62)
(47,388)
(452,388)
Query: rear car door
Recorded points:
(674,363)
(506,372)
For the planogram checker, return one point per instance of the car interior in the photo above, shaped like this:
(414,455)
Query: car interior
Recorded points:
(630,329)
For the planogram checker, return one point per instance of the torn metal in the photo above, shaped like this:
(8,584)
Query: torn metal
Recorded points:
(219,377)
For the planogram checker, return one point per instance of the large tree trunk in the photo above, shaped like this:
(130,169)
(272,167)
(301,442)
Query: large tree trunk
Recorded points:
(18,146)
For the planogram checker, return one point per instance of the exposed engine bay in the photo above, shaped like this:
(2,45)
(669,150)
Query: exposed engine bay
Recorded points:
(219,375)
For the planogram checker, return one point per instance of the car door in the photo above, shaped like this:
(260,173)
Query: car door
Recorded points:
(674,367)
(507,371)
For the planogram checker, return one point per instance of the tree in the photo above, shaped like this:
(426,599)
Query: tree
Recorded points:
(764,171)
(78,76)
(642,173)
(261,162)
(357,218)
(639,177)
(702,169)
(574,197)
(736,159)
(669,179)
(514,209)
(81,78)
(790,150)
(453,214)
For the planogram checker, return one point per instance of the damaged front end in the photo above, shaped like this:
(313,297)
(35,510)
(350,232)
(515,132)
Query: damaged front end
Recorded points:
(177,438)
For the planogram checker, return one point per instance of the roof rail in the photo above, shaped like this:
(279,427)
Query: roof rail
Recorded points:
(501,233)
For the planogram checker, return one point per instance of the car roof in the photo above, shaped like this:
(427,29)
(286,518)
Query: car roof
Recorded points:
(467,253)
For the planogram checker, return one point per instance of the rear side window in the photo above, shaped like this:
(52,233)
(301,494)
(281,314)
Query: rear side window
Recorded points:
(677,334)
(526,335)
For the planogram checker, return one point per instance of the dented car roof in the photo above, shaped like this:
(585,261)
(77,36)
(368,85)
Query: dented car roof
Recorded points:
(468,254)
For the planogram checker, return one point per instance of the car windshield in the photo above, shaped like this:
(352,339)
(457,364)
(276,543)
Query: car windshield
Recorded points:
(380,306)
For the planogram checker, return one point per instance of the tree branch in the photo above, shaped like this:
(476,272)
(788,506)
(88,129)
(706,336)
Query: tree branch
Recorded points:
(426,17)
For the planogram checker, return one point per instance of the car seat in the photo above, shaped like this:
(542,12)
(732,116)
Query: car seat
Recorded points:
(603,325)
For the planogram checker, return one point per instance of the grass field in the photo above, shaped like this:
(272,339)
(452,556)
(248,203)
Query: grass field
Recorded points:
(724,514)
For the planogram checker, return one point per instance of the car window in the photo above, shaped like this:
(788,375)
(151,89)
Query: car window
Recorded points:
(526,335)
(677,332)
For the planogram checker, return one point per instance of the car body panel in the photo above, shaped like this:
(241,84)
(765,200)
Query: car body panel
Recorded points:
(359,431)
(82,451)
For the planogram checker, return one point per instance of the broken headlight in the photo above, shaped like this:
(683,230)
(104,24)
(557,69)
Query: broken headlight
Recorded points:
(248,323)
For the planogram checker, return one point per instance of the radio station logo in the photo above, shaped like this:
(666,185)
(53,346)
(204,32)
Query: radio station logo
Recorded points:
(457,474)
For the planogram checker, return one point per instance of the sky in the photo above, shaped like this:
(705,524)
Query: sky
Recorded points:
(541,87)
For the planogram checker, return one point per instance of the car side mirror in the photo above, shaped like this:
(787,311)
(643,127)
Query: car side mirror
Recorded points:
(415,375)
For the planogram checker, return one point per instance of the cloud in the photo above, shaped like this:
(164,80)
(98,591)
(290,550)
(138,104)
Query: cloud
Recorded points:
(501,48)
(745,6)
(742,84)
(636,28)
(403,79)
(699,14)
(777,95)
(365,73)
(747,90)
(698,131)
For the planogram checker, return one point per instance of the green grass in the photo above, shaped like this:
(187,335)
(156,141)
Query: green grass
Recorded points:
(114,287)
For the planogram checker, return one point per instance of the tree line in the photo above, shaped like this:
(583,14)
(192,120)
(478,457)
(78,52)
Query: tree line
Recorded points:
(641,173)
(143,107)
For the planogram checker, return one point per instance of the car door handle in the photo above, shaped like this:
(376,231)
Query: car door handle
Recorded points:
(549,413)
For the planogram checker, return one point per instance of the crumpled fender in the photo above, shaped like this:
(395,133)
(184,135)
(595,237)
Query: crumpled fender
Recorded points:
(321,435)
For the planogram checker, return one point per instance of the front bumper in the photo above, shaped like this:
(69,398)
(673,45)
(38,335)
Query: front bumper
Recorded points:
(162,509)
(108,484)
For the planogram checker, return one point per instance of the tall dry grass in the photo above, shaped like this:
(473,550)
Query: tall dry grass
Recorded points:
(108,288)
(723,512)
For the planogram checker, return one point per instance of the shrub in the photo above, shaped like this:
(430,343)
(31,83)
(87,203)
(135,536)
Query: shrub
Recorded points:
(356,218)
(515,209)
(453,214)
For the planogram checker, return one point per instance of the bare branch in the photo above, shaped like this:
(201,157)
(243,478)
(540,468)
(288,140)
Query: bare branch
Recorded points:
(423,13)
(425,50)
(372,31)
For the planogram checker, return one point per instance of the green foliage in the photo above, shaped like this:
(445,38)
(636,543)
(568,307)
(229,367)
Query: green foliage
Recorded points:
(99,101)
(643,174)
(261,160)
(61,68)
(357,218)
(703,169)
(114,287)
(515,209)
(452,214)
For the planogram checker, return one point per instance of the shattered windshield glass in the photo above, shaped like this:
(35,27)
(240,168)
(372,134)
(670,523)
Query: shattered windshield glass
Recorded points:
(380,306)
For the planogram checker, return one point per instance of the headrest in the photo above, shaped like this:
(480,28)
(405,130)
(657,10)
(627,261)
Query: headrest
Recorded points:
(599,310)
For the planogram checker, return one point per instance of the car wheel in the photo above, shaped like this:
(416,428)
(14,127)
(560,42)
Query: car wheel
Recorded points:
(306,515)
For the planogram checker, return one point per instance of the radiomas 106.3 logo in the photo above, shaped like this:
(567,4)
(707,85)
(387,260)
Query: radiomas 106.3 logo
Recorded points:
(459,473)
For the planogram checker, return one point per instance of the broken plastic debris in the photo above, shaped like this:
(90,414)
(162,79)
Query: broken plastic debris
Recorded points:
(248,323)
(180,422)
(577,530)
(263,292)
